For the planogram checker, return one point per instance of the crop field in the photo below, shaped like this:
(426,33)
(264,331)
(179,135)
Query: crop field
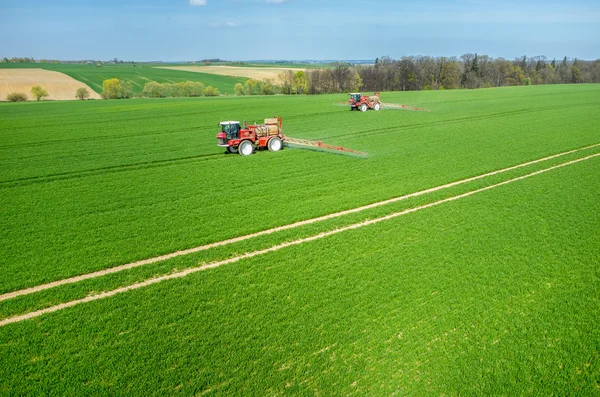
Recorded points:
(460,257)
(258,73)
(285,65)
(138,76)
(58,85)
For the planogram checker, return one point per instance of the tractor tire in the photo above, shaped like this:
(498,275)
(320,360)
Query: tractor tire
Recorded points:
(275,144)
(377,106)
(246,148)
(232,149)
(364,107)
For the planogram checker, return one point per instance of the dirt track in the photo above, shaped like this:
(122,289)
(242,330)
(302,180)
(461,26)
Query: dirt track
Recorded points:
(278,247)
(60,87)
(234,71)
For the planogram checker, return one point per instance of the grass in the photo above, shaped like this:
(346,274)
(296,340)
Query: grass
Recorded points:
(493,294)
(138,76)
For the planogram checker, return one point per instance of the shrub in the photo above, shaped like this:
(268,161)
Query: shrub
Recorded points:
(38,92)
(211,91)
(82,93)
(239,89)
(196,88)
(267,87)
(16,97)
(251,86)
(181,89)
(175,90)
(152,89)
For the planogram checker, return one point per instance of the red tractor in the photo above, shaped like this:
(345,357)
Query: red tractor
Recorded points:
(364,103)
(245,140)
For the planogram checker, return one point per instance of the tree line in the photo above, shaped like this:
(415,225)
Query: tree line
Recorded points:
(414,73)
(120,89)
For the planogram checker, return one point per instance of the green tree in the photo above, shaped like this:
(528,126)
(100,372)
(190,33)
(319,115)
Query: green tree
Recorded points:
(356,82)
(515,75)
(111,88)
(475,65)
(38,92)
(299,82)
(239,89)
(82,93)
(116,89)
(575,74)
(564,73)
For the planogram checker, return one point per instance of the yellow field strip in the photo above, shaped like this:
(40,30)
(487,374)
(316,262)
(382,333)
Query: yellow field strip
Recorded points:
(278,247)
(188,251)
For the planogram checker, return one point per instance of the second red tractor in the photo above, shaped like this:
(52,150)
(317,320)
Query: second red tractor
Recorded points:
(363,103)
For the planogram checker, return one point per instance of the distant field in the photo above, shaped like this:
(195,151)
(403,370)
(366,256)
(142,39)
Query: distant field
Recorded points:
(138,76)
(491,292)
(258,73)
(58,85)
(274,65)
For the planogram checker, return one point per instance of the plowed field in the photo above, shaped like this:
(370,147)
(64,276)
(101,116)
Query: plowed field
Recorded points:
(59,86)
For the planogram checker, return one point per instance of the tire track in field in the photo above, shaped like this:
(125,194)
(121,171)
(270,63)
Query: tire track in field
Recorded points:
(277,247)
(104,170)
(116,269)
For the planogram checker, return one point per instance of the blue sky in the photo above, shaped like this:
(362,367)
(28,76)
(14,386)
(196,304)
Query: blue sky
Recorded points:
(172,30)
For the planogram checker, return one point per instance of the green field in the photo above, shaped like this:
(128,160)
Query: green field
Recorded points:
(138,75)
(496,293)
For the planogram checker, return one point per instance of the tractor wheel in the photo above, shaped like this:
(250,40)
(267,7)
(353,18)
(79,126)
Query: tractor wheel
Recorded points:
(275,144)
(232,149)
(364,107)
(246,148)
(377,106)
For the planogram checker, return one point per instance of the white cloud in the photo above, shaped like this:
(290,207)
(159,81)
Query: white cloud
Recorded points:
(197,2)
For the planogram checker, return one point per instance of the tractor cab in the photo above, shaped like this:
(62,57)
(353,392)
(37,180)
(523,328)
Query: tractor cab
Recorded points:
(231,129)
(355,96)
